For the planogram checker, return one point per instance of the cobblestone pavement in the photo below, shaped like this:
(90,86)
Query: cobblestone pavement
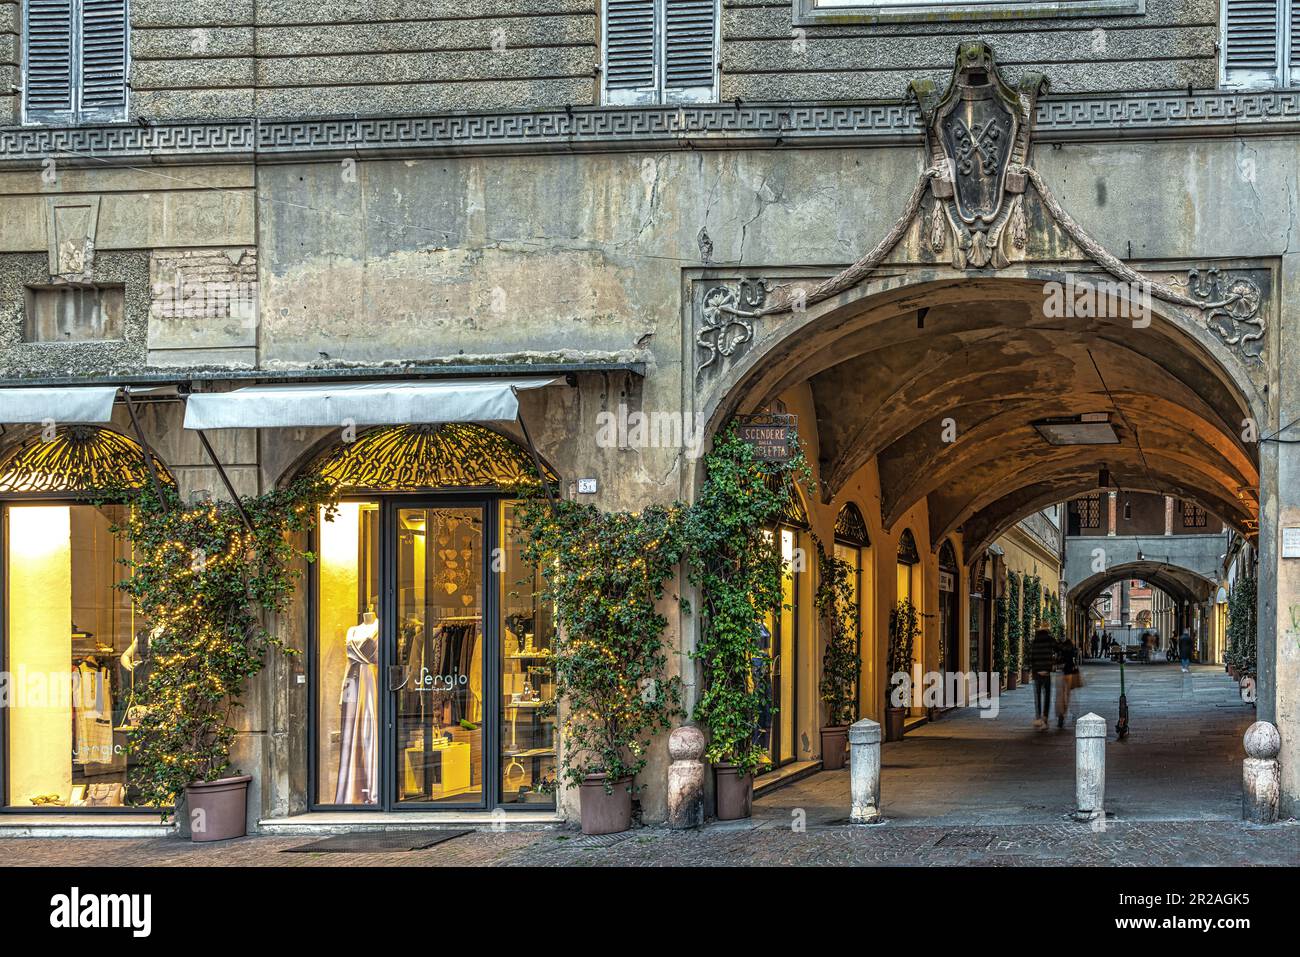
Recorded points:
(961,791)
(1180,761)
(1155,843)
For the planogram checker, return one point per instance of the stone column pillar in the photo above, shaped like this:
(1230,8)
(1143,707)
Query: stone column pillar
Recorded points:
(686,778)
(1089,767)
(864,771)
(1261,780)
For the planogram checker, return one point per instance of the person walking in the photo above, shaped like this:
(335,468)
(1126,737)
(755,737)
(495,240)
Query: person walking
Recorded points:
(1042,654)
(1096,644)
(1066,682)
(1185,649)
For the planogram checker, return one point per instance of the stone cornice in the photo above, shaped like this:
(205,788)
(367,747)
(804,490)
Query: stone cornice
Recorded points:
(714,126)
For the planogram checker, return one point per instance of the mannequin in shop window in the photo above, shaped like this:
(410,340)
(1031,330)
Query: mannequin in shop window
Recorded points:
(359,755)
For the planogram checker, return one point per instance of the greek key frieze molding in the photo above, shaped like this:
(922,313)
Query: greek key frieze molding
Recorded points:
(724,124)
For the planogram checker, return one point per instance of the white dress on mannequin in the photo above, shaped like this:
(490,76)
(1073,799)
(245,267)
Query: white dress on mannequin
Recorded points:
(359,722)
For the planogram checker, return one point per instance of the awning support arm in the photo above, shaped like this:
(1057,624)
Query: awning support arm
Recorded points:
(225,480)
(532,449)
(148,451)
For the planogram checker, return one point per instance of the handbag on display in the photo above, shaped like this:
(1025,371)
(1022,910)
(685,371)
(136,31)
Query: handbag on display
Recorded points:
(105,795)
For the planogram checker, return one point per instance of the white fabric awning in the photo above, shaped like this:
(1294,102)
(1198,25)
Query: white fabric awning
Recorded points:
(360,403)
(64,405)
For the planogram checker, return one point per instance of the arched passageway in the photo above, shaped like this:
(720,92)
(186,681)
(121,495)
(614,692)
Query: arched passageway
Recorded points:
(959,408)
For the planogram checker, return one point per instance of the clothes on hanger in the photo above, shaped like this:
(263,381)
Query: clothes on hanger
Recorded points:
(92,718)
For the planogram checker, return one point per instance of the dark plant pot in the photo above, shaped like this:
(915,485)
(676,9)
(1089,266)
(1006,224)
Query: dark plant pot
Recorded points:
(1012,680)
(735,793)
(218,809)
(835,740)
(894,724)
(604,813)
(1024,678)
(933,714)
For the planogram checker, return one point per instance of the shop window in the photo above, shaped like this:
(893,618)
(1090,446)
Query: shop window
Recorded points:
(76,652)
(852,545)
(660,51)
(73,313)
(433,649)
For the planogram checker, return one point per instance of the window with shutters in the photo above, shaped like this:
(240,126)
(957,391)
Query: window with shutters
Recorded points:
(660,51)
(1260,44)
(74,61)
(840,12)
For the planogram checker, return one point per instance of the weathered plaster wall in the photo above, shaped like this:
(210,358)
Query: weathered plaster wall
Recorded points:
(10,57)
(1171,46)
(295,57)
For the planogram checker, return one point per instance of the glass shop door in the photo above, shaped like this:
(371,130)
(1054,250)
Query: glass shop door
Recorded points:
(437,653)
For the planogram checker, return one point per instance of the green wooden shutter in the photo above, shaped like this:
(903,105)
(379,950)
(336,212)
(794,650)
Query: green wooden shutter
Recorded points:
(49,61)
(1293,51)
(690,27)
(1251,39)
(630,51)
(103,58)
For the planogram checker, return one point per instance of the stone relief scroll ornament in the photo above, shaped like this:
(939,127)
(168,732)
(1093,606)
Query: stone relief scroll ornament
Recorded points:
(978,135)
(728,319)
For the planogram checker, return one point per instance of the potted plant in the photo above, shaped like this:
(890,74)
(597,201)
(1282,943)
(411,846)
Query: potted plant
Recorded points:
(736,567)
(841,662)
(1001,648)
(605,574)
(1014,645)
(904,628)
(205,578)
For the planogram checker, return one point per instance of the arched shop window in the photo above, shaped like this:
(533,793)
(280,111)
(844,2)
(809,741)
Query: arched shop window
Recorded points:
(949,609)
(852,545)
(75,650)
(908,559)
(430,649)
(776,731)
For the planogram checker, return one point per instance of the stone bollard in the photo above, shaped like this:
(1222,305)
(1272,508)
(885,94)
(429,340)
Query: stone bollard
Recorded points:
(1261,779)
(686,778)
(864,771)
(1090,768)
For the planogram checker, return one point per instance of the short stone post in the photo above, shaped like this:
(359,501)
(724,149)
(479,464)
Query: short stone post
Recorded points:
(1261,779)
(686,778)
(864,771)
(1090,767)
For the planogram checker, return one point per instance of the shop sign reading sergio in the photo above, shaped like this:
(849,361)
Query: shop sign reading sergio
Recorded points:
(772,435)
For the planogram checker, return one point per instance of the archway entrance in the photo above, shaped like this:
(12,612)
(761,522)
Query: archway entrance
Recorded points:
(430,650)
(965,412)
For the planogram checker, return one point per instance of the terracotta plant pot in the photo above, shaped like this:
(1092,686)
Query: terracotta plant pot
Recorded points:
(835,741)
(735,793)
(1012,679)
(604,813)
(894,724)
(218,810)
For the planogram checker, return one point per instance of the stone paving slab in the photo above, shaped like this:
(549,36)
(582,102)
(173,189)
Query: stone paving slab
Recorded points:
(1180,761)
(1156,843)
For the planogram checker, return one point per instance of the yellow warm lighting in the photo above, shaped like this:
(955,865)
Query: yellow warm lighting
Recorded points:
(40,643)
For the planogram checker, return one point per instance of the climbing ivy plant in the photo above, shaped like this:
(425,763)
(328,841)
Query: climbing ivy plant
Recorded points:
(904,630)
(605,574)
(842,660)
(204,583)
(1015,645)
(736,565)
(1242,622)
(1001,646)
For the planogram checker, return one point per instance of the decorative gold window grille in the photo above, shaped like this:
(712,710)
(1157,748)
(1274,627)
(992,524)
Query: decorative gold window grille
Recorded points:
(793,512)
(1194,516)
(907,551)
(851,527)
(1088,509)
(78,460)
(404,457)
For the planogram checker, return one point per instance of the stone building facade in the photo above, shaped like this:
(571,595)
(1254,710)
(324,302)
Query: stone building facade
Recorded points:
(695,208)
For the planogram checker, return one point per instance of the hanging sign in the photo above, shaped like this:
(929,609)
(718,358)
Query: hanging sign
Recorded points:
(772,434)
(945,581)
